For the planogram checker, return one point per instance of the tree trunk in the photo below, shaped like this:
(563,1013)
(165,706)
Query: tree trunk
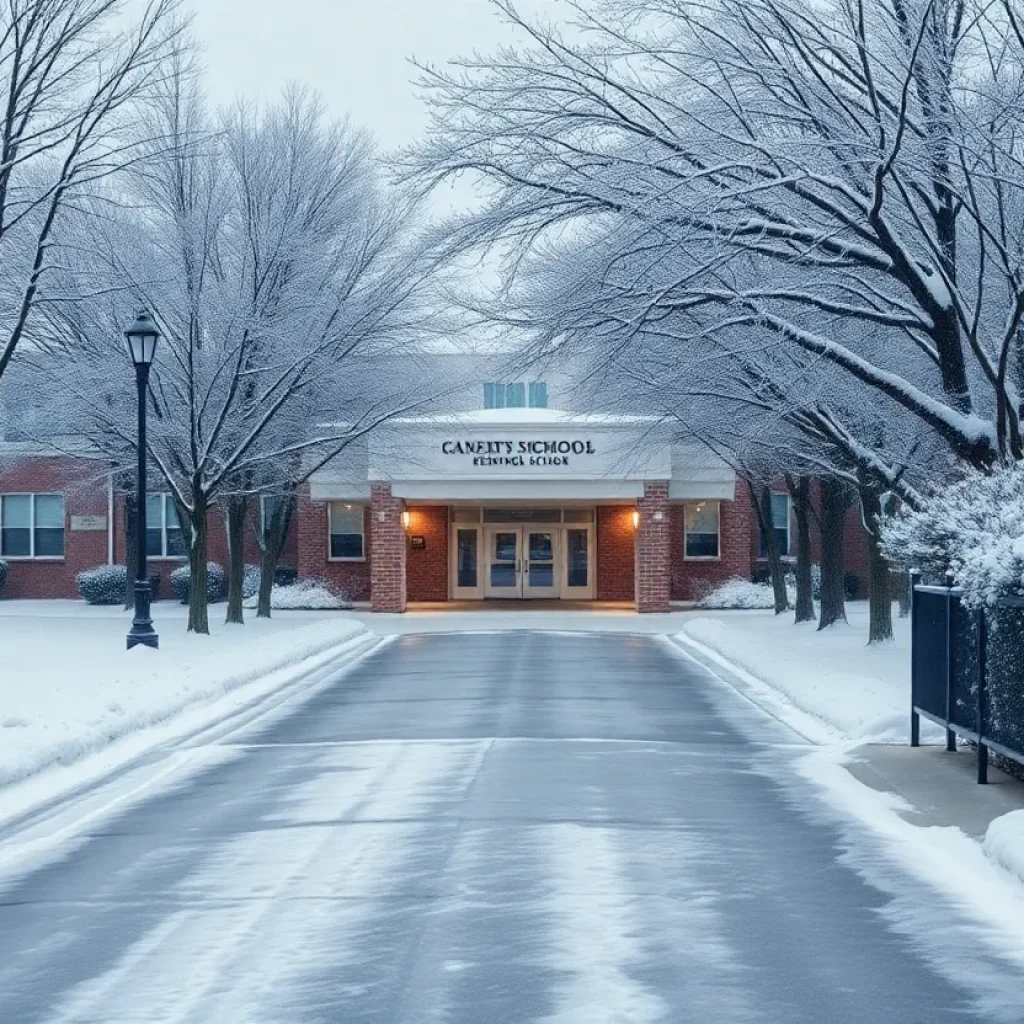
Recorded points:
(763,511)
(131,546)
(198,603)
(834,502)
(903,584)
(800,490)
(273,536)
(879,575)
(238,507)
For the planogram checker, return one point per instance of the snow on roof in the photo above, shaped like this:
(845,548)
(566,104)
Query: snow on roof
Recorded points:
(526,417)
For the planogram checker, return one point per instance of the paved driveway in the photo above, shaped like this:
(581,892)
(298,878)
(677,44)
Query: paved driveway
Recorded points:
(490,828)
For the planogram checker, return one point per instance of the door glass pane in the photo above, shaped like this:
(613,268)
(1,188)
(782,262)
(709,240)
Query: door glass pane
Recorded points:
(540,547)
(504,552)
(577,558)
(465,571)
(541,555)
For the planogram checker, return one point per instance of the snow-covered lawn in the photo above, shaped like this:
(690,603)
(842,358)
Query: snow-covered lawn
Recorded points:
(861,693)
(69,688)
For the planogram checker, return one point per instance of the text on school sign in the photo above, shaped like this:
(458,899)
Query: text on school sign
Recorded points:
(519,453)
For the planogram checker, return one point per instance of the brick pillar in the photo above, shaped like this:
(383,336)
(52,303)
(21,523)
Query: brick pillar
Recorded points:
(310,530)
(387,550)
(653,549)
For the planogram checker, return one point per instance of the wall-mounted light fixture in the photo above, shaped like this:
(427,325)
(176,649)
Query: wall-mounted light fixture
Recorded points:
(636,518)
(405,519)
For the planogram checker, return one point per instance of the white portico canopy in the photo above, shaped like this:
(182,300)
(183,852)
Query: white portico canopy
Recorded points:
(523,455)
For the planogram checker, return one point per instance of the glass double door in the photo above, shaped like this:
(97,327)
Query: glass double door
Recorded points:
(522,562)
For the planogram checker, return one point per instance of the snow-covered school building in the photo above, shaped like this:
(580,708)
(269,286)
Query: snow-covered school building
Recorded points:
(505,495)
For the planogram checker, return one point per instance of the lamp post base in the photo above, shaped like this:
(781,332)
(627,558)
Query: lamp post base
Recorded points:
(142,633)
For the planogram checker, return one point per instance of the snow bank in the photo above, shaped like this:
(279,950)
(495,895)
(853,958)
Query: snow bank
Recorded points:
(1004,842)
(861,692)
(741,593)
(305,595)
(69,688)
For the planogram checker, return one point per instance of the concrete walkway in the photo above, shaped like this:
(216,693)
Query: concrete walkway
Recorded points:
(940,786)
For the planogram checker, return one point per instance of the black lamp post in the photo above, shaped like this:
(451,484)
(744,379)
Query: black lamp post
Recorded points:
(141,339)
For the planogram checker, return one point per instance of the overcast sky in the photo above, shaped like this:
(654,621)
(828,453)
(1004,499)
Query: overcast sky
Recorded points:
(354,52)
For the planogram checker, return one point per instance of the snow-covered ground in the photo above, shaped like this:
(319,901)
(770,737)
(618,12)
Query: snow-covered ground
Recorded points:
(68,687)
(859,692)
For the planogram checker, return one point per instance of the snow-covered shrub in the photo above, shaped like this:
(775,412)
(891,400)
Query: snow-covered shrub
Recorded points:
(216,582)
(973,528)
(741,593)
(251,581)
(304,595)
(106,584)
(3,573)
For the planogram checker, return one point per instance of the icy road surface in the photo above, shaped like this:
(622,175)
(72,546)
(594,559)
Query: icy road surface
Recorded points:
(489,828)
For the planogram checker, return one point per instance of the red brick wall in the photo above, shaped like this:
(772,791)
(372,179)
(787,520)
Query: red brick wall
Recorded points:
(616,555)
(310,527)
(426,569)
(855,544)
(691,579)
(387,550)
(84,486)
(653,549)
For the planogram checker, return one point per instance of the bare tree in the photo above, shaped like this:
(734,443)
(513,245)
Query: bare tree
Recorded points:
(71,75)
(278,268)
(816,176)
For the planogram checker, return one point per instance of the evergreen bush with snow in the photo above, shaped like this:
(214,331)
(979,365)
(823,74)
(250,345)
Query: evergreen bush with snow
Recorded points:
(216,582)
(251,581)
(106,584)
(973,528)
(3,573)
(742,593)
(304,595)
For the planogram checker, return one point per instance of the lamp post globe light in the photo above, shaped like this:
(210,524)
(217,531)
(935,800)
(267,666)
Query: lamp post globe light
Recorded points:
(140,340)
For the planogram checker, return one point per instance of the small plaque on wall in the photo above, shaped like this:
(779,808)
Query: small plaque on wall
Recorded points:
(418,543)
(90,523)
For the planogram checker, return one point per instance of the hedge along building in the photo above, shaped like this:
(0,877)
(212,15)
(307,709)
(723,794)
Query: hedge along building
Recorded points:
(511,501)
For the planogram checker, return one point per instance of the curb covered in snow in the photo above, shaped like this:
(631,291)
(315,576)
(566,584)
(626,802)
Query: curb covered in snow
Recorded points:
(248,685)
(1004,842)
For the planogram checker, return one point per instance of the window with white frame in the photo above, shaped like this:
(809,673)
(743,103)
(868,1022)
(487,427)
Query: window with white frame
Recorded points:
(702,527)
(164,535)
(780,523)
(346,532)
(32,526)
(516,395)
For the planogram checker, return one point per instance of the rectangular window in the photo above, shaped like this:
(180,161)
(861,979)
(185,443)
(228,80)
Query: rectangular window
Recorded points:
(32,526)
(164,535)
(701,529)
(538,395)
(494,396)
(780,523)
(515,396)
(346,523)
